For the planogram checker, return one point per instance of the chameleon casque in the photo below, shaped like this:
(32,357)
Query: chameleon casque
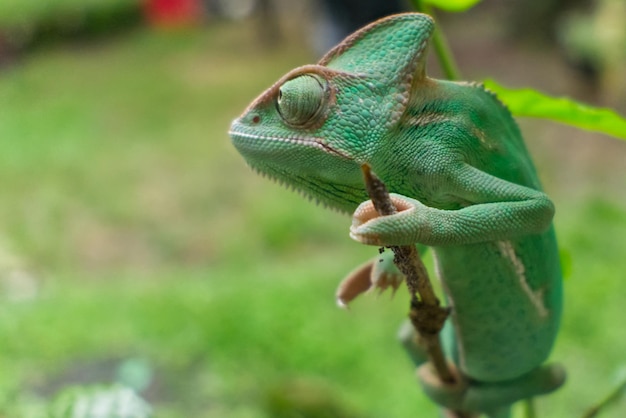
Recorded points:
(460,174)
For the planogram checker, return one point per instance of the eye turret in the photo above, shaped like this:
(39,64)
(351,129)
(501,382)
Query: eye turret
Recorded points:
(301,100)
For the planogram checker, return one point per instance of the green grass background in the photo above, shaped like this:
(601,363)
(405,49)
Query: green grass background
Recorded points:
(131,229)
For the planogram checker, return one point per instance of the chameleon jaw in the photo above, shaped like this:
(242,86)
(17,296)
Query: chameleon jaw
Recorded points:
(242,139)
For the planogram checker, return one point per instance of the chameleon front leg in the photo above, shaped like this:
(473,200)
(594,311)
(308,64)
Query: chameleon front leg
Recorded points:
(495,210)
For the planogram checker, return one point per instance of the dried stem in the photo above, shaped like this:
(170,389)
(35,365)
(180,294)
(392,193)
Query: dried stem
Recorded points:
(426,313)
(440,44)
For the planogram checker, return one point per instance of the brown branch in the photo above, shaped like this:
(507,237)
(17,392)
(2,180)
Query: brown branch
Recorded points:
(612,397)
(426,313)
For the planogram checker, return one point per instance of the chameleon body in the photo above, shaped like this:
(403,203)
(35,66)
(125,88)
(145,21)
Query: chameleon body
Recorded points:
(460,173)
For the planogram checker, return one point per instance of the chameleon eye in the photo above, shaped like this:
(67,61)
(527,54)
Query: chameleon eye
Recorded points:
(301,99)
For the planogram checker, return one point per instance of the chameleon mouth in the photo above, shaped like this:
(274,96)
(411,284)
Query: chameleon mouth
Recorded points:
(246,140)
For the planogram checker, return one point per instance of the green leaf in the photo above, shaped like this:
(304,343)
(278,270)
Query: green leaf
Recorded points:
(452,5)
(529,102)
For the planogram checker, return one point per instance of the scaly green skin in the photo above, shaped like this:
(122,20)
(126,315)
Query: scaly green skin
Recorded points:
(459,170)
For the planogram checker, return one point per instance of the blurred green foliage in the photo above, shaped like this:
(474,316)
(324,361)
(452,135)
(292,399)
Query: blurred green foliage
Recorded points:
(93,402)
(534,103)
(17,12)
(27,22)
(132,230)
(448,5)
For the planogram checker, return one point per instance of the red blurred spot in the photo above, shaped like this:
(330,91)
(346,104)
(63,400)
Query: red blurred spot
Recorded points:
(172,13)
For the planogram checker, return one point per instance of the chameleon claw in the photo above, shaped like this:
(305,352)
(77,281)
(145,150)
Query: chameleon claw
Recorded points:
(385,282)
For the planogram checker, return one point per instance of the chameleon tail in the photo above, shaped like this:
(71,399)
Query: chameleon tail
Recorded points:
(494,398)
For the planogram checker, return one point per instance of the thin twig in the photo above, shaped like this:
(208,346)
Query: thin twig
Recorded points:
(440,44)
(612,397)
(426,313)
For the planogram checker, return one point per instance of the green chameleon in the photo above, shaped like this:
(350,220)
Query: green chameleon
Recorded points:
(464,184)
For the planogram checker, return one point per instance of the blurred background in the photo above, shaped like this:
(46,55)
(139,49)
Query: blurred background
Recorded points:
(136,246)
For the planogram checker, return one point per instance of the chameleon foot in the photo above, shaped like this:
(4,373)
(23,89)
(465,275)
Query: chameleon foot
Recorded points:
(380,273)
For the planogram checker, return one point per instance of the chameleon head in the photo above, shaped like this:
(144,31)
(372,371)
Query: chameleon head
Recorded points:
(294,134)
(315,127)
